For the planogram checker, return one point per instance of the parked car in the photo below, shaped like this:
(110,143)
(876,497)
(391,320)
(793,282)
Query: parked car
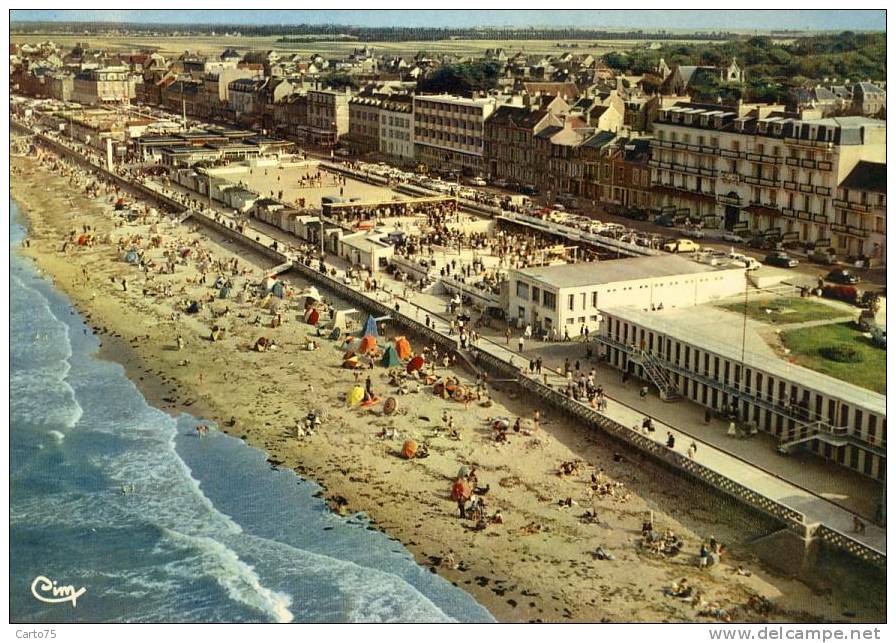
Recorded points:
(499,183)
(681,245)
(637,215)
(842,277)
(743,260)
(477,181)
(559,207)
(825,256)
(665,220)
(529,190)
(732,237)
(782,260)
(693,233)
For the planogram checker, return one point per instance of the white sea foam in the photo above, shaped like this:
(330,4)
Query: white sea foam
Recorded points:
(238,578)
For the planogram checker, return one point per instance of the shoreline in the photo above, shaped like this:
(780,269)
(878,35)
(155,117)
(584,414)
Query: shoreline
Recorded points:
(425,486)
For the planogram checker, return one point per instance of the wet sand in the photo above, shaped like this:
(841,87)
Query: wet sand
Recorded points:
(538,565)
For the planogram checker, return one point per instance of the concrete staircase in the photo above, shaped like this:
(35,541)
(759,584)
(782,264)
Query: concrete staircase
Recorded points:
(808,431)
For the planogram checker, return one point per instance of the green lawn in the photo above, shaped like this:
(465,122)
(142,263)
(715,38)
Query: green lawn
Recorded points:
(785,310)
(870,373)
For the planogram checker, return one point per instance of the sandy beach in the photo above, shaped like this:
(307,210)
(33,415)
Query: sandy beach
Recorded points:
(539,564)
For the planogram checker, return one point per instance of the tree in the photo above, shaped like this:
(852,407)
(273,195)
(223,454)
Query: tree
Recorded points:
(463,78)
(339,80)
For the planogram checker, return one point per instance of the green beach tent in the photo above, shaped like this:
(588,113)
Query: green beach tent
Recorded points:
(390,357)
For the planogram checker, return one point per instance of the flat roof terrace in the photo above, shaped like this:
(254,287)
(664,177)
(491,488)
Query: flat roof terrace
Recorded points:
(718,331)
(577,275)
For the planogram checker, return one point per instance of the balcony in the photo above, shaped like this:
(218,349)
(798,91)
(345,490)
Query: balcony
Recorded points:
(820,218)
(789,185)
(763,158)
(827,166)
(728,200)
(788,212)
(822,190)
(809,163)
(752,180)
(859,232)
(792,161)
(769,183)
(839,227)
(729,154)
(850,205)
(806,187)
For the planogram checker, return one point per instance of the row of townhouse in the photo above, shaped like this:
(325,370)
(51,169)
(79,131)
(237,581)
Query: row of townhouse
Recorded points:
(760,168)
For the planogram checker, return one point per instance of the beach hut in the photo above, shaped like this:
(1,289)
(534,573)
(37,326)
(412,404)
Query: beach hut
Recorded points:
(390,358)
(403,347)
(415,364)
(370,327)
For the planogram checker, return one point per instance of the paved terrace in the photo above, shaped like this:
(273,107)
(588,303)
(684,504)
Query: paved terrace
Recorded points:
(802,510)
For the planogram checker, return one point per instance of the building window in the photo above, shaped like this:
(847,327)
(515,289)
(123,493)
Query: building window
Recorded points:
(572,302)
(549,300)
(522,290)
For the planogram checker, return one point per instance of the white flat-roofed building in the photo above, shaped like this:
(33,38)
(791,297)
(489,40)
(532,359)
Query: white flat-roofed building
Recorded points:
(711,357)
(569,296)
(365,249)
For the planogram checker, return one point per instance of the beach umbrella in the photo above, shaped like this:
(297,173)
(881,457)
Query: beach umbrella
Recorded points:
(415,364)
(403,347)
(409,449)
(461,490)
(368,343)
(355,395)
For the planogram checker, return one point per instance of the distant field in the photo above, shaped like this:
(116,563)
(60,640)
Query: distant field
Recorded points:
(168,45)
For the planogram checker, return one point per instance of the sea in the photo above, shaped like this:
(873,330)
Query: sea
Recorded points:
(110,494)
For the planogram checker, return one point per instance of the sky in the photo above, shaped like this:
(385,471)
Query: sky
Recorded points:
(760,20)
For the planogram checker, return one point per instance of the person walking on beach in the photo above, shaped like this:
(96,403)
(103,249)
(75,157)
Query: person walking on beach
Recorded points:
(704,555)
(692,450)
(536,419)
(507,335)
(521,344)
(670,440)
